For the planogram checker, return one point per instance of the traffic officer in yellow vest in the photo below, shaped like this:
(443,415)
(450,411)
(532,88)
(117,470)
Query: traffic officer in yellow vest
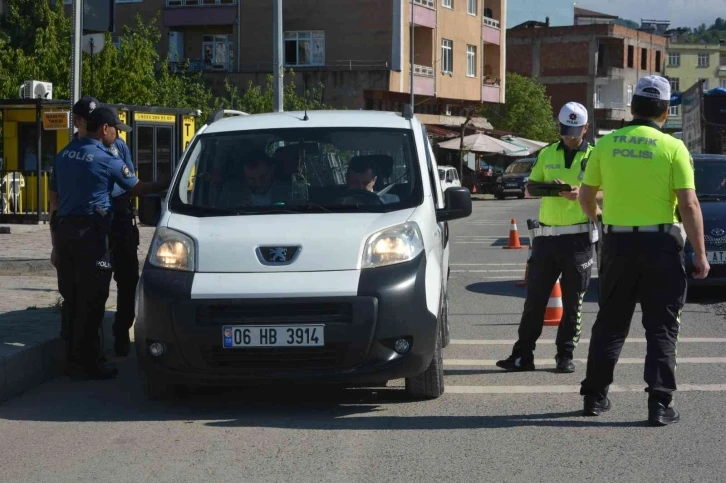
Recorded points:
(561,246)
(647,183)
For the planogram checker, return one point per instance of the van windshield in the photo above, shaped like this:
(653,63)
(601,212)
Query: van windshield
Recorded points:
(519,167)
(303,170)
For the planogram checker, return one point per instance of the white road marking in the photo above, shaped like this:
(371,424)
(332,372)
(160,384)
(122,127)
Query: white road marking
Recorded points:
(571,389)
(485,264)
(551,362)
(719,340)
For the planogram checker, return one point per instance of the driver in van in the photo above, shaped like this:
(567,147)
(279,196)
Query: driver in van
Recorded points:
(257,186)
(362,175)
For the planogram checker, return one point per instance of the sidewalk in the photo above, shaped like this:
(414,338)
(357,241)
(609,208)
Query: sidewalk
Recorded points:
(31,350)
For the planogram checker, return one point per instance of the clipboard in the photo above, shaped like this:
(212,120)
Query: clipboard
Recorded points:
(548,189)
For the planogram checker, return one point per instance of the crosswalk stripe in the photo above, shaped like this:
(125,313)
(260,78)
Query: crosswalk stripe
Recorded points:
(570,389)
(718,340)
(551,362)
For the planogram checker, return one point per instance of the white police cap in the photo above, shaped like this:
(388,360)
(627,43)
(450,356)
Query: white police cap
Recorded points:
(573,116)
(654,87)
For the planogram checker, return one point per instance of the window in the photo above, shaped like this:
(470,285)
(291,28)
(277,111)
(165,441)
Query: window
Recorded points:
(321,177)
(630,94)
(657,60)
(703,60)
(471,60)
(447,3)
(217,51)
(705,84)
(447,56)
(644,59)
(723,83)
(471,6)
(674,111)
(675,84)
(305,48)
(674,59)
(631,56)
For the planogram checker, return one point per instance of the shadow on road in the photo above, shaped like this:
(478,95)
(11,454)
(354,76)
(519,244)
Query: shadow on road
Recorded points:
(508,288)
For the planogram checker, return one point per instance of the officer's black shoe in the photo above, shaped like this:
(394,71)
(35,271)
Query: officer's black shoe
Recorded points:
(660,414)
(564,364)
(595,406)
(122,344)
(515,363)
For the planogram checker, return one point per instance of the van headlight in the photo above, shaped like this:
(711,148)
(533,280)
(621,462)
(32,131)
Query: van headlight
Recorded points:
(393,245)
(172,249)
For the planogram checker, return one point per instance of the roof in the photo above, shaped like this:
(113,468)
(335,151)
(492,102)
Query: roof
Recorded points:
(322,118)
(581,12)
(438,131)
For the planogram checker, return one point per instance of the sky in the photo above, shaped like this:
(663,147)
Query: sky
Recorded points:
(681,13)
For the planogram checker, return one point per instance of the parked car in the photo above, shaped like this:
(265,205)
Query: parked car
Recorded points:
(328,280)
(449,177)
(710,173)
(514,180)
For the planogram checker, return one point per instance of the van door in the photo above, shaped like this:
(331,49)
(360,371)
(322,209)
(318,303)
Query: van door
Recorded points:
(442,248)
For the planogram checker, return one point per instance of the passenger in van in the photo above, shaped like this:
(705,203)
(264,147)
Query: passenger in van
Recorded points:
(363,174)
(257,186)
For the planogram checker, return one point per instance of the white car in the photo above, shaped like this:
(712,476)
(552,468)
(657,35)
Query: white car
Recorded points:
(328,276)
(449,177)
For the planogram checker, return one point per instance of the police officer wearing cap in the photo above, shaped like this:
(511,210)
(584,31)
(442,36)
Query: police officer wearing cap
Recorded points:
(647,183)
(84,173)
(124,235)
(561,246)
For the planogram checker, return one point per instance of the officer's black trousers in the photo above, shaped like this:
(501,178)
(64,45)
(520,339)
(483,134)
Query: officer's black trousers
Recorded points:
(84,275)
(648,266)
(124,245)
(571,257)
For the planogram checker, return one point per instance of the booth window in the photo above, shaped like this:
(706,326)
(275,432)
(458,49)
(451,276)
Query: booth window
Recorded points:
(28,148)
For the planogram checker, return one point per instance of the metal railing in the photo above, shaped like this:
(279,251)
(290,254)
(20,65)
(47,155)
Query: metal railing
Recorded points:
(423,70)
(425,3)
(197,65)
(491,22)
(19,192)
(491,81)
(199,3)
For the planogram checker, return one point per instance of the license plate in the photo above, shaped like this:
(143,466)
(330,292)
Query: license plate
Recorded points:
(510,185)
(273,336)
(716,258)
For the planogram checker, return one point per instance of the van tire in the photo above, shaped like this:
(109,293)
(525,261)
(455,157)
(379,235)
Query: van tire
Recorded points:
(445,327)
(430,383)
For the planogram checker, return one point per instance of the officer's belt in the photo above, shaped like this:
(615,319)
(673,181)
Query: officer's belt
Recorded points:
(664,228)
(560,230)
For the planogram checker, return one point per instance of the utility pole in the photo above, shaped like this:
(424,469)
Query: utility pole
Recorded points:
(411,63)
(77,27)
(276,55)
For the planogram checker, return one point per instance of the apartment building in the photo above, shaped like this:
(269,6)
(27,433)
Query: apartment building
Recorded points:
(358,49)
(690,63)
(597,65)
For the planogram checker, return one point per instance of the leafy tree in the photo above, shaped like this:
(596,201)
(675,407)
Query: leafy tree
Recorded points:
(708,35)
(527,111)
(626,23)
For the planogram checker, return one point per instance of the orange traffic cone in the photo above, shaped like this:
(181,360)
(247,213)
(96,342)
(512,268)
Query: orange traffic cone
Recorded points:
(514,237)
(554,311)
(523,283)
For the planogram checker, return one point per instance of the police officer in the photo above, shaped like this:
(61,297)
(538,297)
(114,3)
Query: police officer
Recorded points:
(561,246)
(124,235)
(80,187)
(647,184)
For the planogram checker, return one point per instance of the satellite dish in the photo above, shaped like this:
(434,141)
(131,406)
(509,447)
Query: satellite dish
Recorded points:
(93,43)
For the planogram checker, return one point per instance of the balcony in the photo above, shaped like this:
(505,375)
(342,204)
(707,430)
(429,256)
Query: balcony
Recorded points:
(189,13)
(612,111)
(424,13)
(424,83)
(721,71)
(490,89)
(490,31)
(198,65)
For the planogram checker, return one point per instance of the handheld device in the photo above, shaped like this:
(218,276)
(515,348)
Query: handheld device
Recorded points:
(548,189)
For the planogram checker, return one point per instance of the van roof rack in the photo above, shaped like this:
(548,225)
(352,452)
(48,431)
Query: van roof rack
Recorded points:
(219,114)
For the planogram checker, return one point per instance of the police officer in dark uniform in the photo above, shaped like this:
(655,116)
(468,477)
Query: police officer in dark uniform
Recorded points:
(83,176)
(648,187)
(124,235)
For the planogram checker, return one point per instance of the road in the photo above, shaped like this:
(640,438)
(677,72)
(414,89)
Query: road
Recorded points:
(489,426)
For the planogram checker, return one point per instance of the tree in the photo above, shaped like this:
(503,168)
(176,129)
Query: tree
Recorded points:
(527,111)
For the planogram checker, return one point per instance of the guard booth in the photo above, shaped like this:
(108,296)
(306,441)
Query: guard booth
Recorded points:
(31,126)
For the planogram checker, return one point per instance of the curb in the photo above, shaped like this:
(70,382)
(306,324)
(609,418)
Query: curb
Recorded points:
(22,368)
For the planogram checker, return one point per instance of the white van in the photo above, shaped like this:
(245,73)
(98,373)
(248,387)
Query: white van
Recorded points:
(298,247)
(449,177)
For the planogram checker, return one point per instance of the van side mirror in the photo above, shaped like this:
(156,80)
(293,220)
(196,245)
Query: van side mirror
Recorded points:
(457,204)
(150,210)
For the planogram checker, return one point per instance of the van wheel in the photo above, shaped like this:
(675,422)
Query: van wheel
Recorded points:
(445,327)
(499,195)
(430,383)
